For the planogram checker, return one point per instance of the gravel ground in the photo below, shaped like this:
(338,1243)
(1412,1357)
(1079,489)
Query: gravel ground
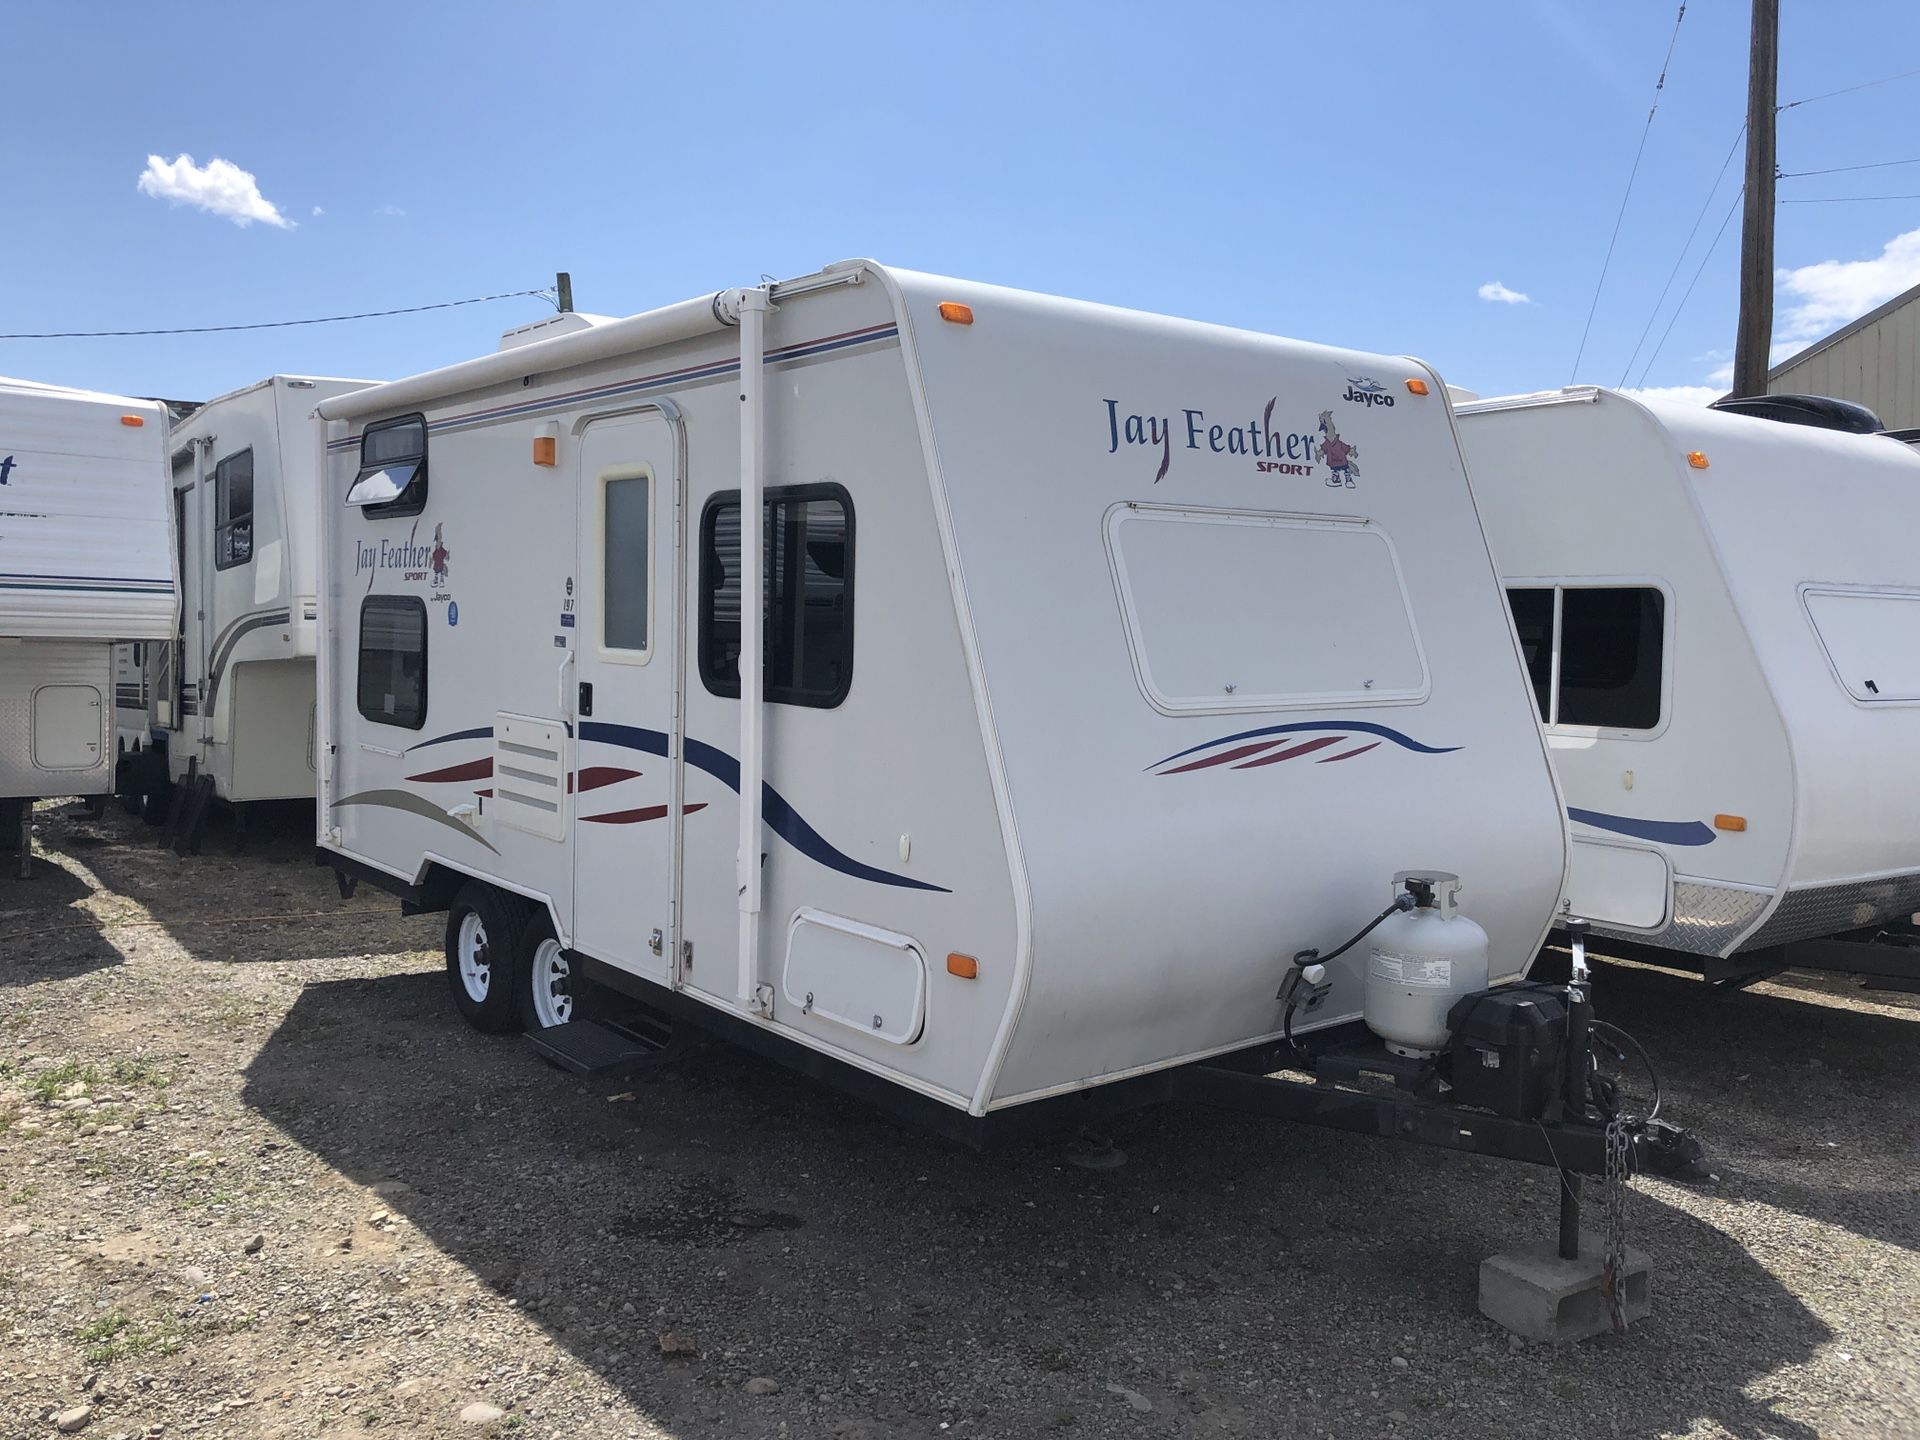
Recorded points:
(257,1180)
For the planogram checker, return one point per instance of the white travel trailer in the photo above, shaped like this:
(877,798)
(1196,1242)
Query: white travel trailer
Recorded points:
(86,560)
(1722,619)
(233,695)
(1108,661)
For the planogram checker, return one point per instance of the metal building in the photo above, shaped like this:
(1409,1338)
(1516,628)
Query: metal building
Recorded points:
(1874,361)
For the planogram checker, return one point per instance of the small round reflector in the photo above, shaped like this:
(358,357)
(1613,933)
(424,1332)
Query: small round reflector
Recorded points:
(1417,387)
(957,313)
(1697,459)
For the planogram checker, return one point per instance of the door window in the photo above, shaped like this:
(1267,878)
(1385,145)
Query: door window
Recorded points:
(393,660)
(626,529)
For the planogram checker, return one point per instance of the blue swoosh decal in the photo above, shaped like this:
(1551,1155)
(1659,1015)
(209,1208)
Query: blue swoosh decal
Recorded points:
(1404,741)
(1662,832)
(780,816)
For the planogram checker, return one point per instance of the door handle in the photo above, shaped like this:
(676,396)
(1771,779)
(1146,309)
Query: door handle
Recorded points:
(586,698)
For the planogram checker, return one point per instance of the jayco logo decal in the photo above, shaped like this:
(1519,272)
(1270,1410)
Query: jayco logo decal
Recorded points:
(1337,455)
(411,560)
(1273,452)
(1367,392)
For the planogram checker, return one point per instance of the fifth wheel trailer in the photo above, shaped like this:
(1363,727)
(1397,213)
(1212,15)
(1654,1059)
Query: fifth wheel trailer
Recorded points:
(1108,661)
(1721,616)
(86,560)
(232,694)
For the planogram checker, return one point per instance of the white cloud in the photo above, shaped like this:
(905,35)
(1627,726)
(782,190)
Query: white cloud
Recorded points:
(220,188)
(1680,394)
(1824,296)
(318,211)
(1495,291)
(390,209)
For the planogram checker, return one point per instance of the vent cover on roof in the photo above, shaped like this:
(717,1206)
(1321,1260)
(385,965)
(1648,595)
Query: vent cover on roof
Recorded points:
(565,323)
(1823,411)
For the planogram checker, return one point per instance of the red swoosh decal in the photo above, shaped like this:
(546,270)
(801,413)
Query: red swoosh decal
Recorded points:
(1346,754)
(645,812)
(1211,760)
(1302,748)
(471,770)
(594,776)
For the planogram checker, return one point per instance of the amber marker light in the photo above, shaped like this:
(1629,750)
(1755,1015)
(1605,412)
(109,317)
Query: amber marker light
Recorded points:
(965,966)
(546,450)
(1730,822)
(1417,387)
(133,421)
(1697,459)
(956,313)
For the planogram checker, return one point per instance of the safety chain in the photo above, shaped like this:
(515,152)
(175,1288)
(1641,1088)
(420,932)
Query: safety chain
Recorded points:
(1619,1152)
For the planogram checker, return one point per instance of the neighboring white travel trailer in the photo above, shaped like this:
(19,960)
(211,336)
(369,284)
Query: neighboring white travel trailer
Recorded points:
(86,560)
(1109,660)
(231,700)
(1722,619)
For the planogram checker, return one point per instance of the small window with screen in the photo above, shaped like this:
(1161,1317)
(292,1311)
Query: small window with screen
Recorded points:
(1596,654)
(233,511)
(1533,620)
(393,468)
(808,626)
(393,660)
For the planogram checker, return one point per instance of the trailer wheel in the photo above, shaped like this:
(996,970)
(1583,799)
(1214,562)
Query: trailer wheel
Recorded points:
(485,936)
(552,989)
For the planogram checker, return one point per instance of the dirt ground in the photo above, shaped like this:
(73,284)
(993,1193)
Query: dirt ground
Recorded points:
(256,1179)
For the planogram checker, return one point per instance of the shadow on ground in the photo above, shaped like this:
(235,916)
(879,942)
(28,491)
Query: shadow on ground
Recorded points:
(1241,1276)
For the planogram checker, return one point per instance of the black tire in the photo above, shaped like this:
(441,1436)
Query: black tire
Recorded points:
(155,804)
(484,963)
(568,996)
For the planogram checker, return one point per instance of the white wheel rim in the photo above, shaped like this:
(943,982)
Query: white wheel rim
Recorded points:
(470,951)
(552,985)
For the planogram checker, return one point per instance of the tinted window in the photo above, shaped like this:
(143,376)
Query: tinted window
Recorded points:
(393,660)
(1533,619)
(393,468)
(809,595)
(233,511)
(1610,652)
(625,528)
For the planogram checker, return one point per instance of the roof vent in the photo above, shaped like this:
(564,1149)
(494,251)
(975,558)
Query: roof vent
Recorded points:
(1822,411)
(564,323)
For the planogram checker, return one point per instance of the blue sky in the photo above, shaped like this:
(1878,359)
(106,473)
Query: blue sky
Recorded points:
(1347,173)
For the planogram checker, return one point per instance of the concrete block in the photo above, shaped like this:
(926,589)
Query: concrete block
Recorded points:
(1539,1296)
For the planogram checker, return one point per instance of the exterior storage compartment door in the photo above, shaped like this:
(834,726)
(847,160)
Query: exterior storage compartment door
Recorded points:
(66,727)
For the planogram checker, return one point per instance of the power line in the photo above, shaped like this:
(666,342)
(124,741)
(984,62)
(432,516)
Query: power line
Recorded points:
(1680,259)
(273,324)
(1646,130)
(1843,169)
(1847,199)
(1864,85)
(1701,269)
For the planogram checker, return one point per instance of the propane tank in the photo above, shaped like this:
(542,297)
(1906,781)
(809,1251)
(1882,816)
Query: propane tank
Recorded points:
(1420,962)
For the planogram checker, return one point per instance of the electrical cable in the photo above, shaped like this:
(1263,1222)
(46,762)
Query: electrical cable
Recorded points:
(1848,90)
(1680,259)
(1623,1041)
(1698,271)
(1618,219)
(1405,900)
(272,324)
(1843,169)
(1847,199)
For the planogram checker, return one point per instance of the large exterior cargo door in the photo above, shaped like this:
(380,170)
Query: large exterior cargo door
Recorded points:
(626,815)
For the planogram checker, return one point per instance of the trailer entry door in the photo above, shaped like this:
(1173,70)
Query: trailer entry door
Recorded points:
(626,815)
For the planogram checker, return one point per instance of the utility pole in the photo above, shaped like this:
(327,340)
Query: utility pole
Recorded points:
(1755,336)
(563,288)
